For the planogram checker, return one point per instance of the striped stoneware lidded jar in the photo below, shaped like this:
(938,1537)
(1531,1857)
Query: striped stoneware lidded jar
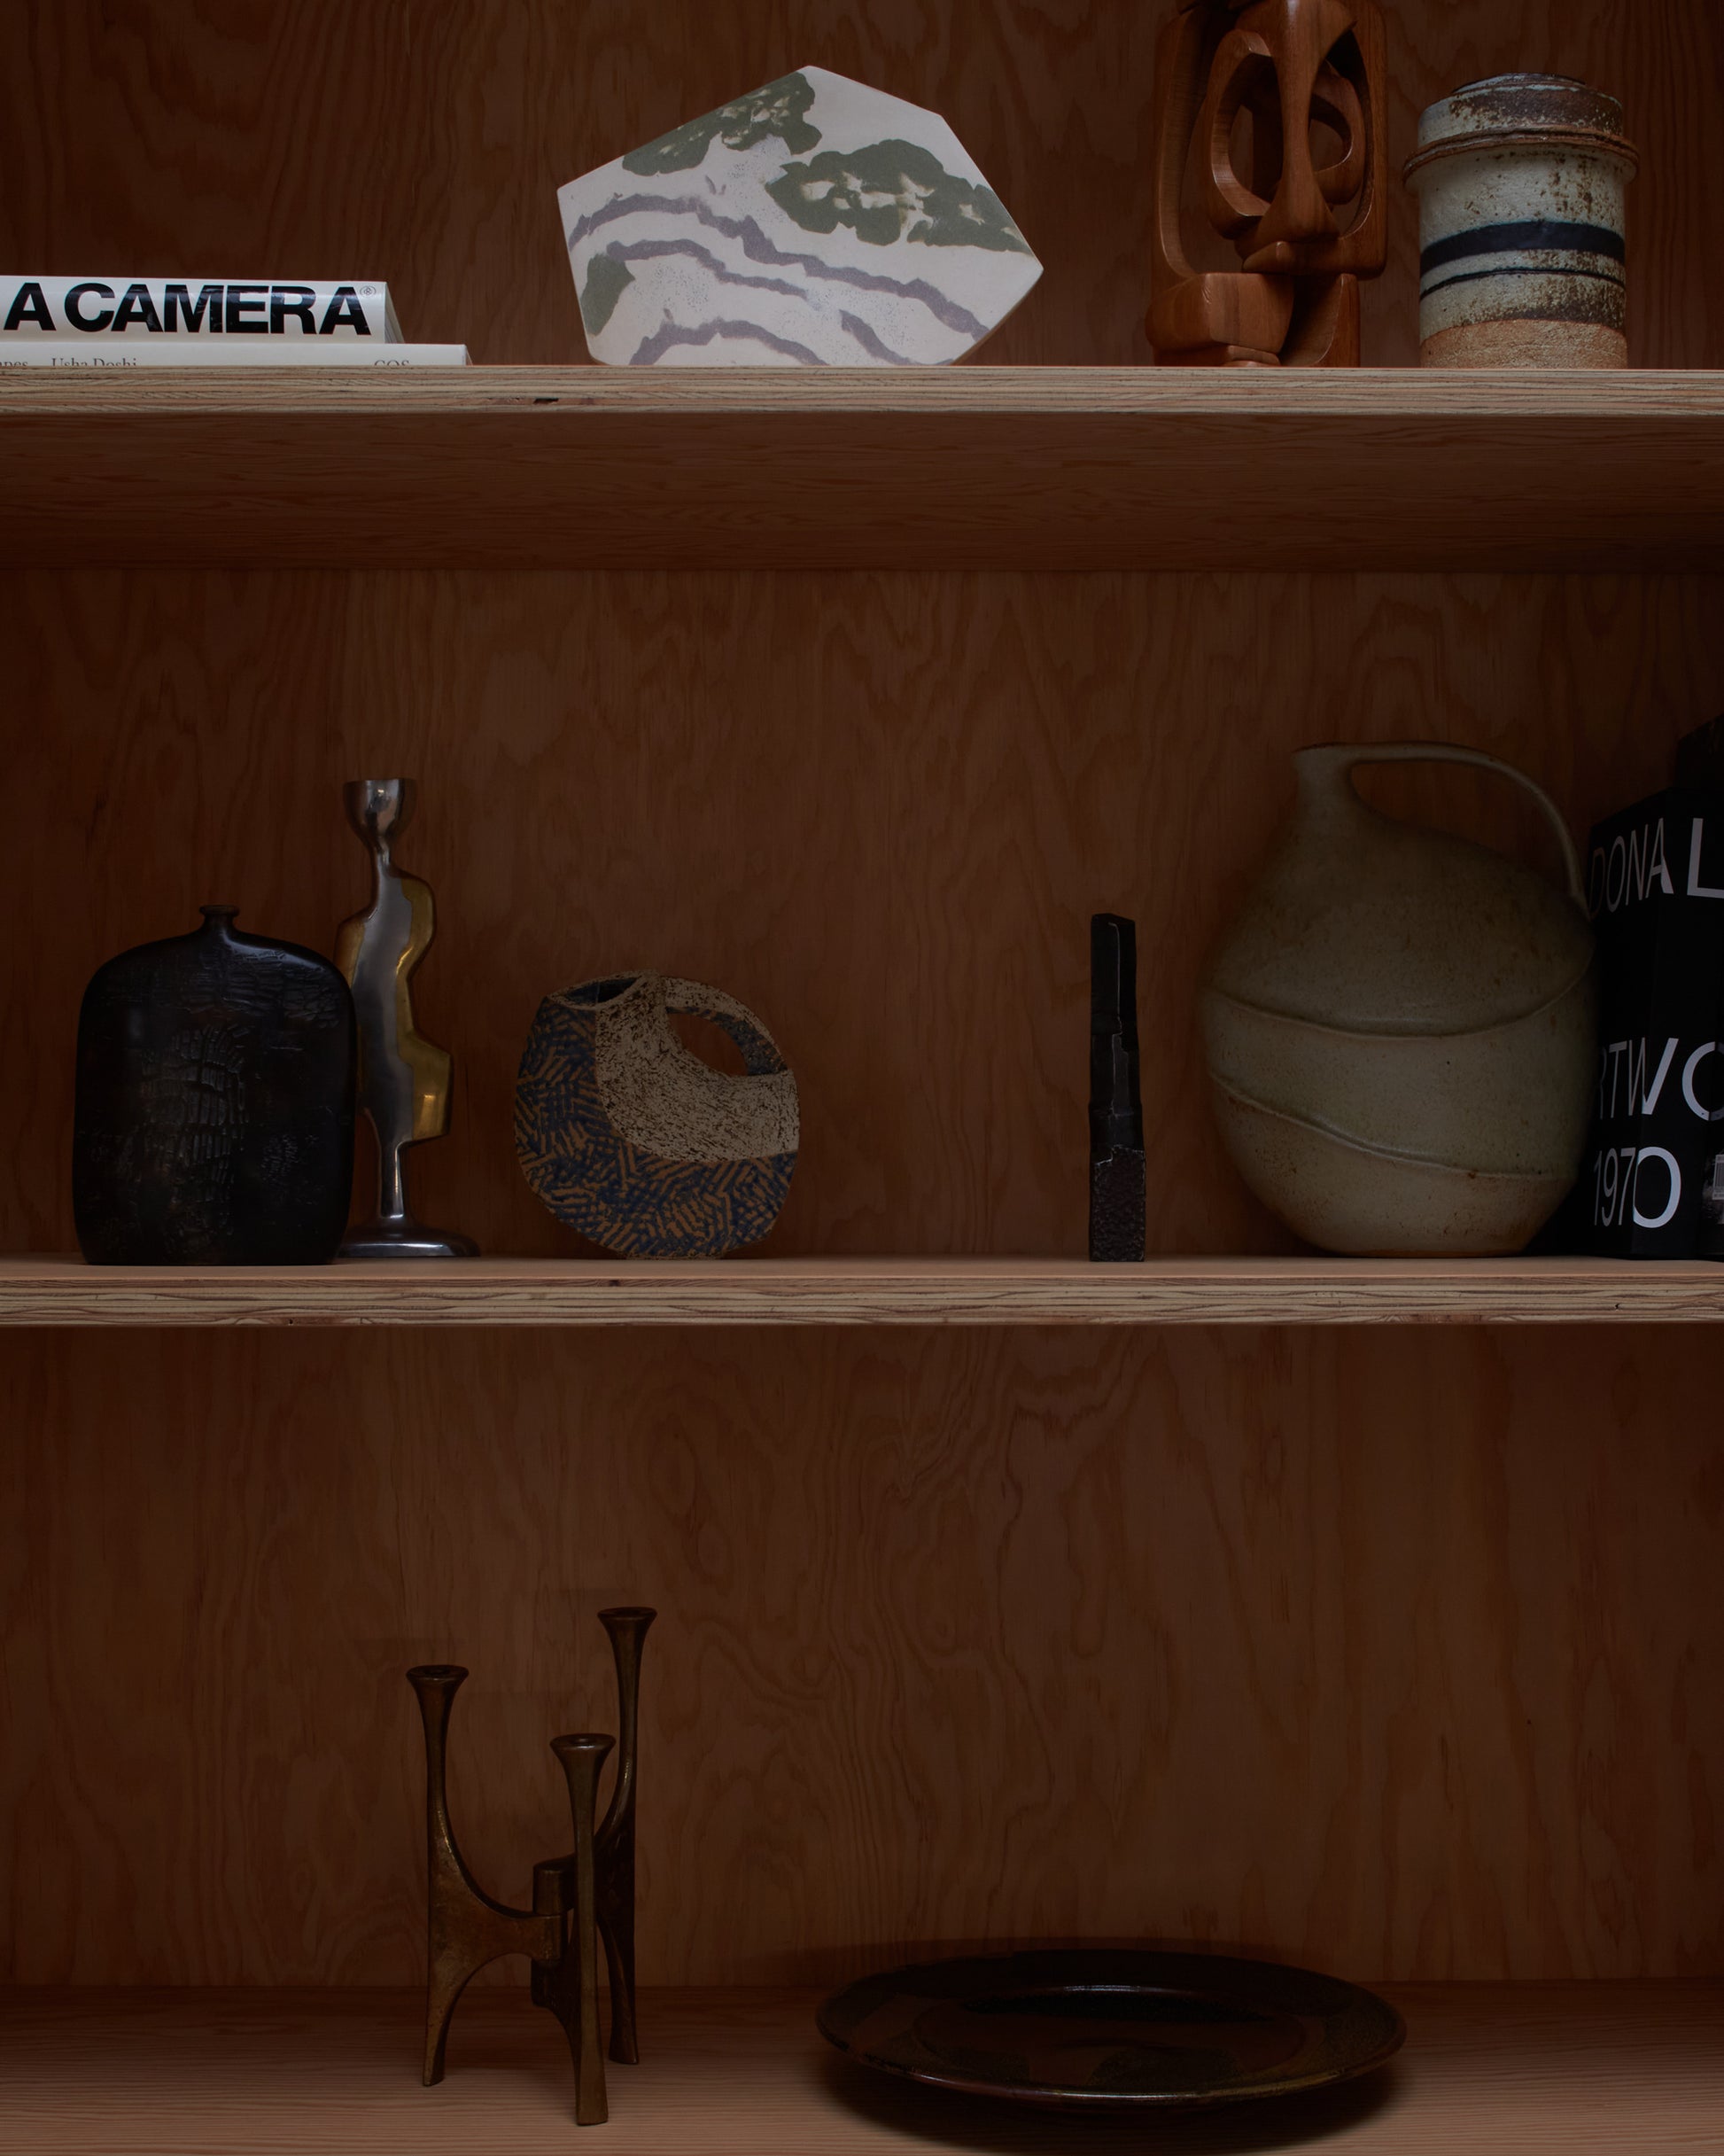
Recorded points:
(1522,182)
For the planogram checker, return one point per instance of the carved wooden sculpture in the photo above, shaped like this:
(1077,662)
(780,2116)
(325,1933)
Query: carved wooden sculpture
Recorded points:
(577,1900)
(1305,233)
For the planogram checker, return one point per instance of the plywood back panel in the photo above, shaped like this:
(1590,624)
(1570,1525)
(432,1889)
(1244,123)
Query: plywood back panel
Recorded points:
(1402,1654)
(879,809)
(425,143)
(1399,1653)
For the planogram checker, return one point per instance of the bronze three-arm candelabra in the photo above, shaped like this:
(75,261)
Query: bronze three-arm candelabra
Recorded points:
(578,1900)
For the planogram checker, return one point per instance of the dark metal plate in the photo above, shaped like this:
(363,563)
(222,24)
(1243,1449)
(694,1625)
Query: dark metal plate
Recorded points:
(1107,2028)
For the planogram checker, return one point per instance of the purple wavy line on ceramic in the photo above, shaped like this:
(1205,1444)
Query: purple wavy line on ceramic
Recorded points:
(758,248)
(672,333)
(649,250)
(870,343)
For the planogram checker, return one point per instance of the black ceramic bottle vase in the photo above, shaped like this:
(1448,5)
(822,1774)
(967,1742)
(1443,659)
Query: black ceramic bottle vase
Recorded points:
(1116,1110)
(214,1122)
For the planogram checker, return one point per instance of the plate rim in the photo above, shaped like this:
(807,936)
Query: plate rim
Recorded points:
(1116,2099)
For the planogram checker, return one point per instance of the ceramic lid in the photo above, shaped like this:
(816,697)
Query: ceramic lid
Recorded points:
(1523,107)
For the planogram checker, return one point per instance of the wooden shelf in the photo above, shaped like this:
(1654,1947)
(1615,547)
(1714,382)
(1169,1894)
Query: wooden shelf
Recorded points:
(1041,467)
(998,1291)
(1497,2070)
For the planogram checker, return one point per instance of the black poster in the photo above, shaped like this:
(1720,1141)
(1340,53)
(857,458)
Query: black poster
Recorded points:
(1655,893)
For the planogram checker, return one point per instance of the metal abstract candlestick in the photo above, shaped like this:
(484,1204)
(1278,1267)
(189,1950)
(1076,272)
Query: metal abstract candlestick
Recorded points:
(577,1899)
(1116,1110)
(403,1079)
(614,1846)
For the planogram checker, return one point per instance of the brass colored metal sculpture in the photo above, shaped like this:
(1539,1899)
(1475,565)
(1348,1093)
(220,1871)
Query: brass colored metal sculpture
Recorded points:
(403,1079)
(1305,231)
(578,1900)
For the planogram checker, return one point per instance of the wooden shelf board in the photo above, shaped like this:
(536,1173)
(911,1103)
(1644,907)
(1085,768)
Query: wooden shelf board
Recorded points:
(1497,2070)
(988,1291)
(1053,468)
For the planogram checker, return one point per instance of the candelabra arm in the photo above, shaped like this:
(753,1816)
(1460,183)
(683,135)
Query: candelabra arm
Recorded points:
(615,1844)
(565,1982)
(465,1927)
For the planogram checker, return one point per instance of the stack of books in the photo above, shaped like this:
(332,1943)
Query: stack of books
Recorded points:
(203,321)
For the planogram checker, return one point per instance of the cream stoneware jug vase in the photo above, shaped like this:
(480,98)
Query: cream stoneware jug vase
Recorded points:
(1401,1025)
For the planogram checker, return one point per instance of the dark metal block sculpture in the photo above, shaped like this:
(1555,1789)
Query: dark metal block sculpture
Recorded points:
(578,1900)
(1116,1110)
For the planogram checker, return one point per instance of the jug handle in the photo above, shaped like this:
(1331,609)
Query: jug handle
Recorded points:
(760,1056)
(1444,752)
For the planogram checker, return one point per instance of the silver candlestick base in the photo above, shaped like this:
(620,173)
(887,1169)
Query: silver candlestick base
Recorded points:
(408,1238)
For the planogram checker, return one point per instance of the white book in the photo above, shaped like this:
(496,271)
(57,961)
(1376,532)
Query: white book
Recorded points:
(278,309)
(90,355)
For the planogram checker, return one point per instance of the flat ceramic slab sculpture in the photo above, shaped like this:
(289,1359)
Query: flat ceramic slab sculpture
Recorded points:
(812,223)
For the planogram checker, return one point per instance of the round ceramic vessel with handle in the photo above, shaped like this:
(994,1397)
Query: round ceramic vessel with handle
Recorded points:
(1401,1025)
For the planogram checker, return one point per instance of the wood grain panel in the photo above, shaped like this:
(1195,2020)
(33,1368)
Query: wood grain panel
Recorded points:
(177,139)
(874,1291)
(879,809)
(1067,469)
(1398,1652)
(1523,2070)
